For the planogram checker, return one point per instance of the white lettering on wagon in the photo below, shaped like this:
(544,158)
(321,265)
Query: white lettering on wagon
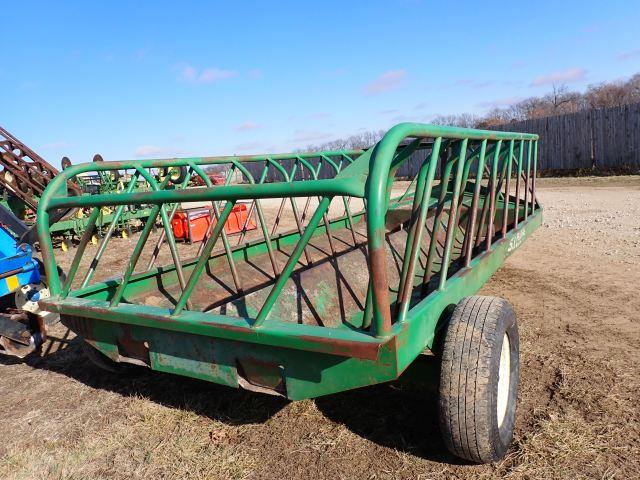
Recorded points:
(516,240)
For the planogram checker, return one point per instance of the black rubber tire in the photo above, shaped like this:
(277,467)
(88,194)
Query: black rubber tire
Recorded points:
(178,174)
(469,379)
(99,359)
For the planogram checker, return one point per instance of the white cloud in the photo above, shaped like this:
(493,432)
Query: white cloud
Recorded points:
(191,74)
(387,81)
(629,55)
(151,151)
(413,118)
(250,147)
(501,102)
(246,126)
(564,76)
(309,136)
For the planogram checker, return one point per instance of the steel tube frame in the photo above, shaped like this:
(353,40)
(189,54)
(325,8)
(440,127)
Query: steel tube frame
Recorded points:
(370,177)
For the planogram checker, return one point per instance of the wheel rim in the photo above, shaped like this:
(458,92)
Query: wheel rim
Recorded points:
(504,379)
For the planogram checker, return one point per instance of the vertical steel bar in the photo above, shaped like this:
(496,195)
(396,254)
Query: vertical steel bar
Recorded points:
(144,235)
(492,196)
(451,224)
(507,195)
(311,174)
(214,210)
(203,259)
(305,209)
(173,248)
(406,191)
(107,236)
(325,219)
(415,226)
(520,157)
(468,235)
(267,239)
(485,212)
(345,201)
(296,216)
(135,255)
(294,205)
(167,225)
(433,243)
(225,239)
(527,176)
(327,227)
(423,194)
(471,224)
(368,306)
(276,221)
(156,250)
(533,180)
(293,259)
(84,241)
(347,211)
(261,218)
(245,225)
(227,249)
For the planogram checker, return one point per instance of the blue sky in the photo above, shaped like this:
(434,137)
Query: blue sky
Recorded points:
(156,79)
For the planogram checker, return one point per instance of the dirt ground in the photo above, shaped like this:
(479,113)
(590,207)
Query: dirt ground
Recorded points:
(574,285)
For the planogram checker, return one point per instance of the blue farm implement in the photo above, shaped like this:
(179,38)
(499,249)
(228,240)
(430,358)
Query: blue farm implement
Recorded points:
(22,323)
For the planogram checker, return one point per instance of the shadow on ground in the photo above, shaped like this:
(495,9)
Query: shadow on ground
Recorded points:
(401,415)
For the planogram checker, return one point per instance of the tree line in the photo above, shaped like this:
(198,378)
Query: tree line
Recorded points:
(559,101)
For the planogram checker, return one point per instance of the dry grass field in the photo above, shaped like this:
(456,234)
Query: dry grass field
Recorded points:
(574,285)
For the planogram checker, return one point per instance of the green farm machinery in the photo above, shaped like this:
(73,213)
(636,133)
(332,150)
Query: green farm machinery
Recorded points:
(25,175)
(344,283)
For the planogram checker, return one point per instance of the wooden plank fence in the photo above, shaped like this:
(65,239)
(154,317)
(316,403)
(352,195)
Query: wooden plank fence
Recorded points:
(600,139)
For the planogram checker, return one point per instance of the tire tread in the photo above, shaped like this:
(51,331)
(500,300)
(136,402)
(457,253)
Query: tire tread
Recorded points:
(466,368)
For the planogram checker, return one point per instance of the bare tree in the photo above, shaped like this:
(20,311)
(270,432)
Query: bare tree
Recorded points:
(354,142)
(465,120)
(614,93)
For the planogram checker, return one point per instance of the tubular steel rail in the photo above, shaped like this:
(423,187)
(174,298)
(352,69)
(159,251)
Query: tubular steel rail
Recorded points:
(347,298)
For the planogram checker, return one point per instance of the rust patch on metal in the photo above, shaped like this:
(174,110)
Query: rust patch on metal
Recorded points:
(345,348)
(261,373)
(131,350)
(380,282)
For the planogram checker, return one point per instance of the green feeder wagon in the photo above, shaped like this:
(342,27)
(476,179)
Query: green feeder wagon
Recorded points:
(346,281)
